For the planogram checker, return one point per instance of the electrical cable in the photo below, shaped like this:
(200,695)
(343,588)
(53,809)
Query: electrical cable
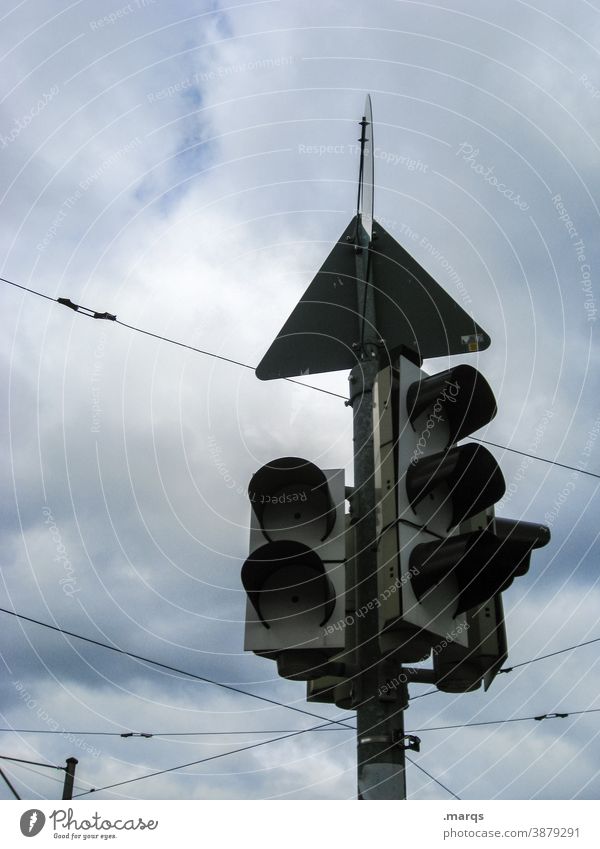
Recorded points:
(437,781)
(108,316)
(33,763)
(538,718)
(93,314)
(534,457)
(173,668)
(422,695)
(10,787)
(552,654)
(48,777)
(161,734)
(195,763)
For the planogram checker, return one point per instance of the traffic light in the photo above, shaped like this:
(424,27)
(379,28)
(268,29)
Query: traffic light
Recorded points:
(460,669)
(443,571)
(339,689)
(408,642)
(294,575)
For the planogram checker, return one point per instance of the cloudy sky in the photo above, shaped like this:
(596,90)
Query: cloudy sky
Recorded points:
(157,165)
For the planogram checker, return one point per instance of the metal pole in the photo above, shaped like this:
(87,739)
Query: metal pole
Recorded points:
(69,778)
(380,721)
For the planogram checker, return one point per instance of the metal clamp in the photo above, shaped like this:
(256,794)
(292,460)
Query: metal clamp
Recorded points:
(405,741)
(408,742)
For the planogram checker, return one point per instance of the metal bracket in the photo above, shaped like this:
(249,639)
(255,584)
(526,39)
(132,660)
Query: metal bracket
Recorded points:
(551,716)
(67,302)
(404,741)
(408,742)
(136,734)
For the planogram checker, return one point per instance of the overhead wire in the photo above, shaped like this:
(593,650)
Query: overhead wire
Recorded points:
(48,777)
(429,775)
(109,316)
(33,763)
(235,752)
(535,457)
(159,337)
(170,668)
(204,679)
(538,718)
(552,654)
(200,761)
(163,734)
(10,787)
(160,734)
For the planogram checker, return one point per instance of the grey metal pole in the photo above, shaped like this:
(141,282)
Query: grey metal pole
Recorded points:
(380,721)
(69,778)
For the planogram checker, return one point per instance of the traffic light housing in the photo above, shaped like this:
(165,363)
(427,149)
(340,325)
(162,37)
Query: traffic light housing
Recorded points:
(443,568)
(339,689)
(408,643)
(294,574)
(460,669)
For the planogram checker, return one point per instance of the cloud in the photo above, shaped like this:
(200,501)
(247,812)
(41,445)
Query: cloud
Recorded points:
(188,171)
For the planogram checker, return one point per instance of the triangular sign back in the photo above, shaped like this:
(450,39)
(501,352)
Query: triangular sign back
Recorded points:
(411,309)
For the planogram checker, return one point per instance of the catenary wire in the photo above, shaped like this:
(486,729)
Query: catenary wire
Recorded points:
(429,775)
(234,752)
(534,457)
(553,715)
(93,314)
(552,654)
(340,723)
(173,668)
(288,379)
(244,365)
(201,761)
(172,733)
(33,763)
(162,734)
(10,787)
(48,777)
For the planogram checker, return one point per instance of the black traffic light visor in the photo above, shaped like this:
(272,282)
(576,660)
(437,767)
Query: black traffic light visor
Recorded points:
(484,563)
(269,558)
(461,393)
(282,473)
(471,473)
